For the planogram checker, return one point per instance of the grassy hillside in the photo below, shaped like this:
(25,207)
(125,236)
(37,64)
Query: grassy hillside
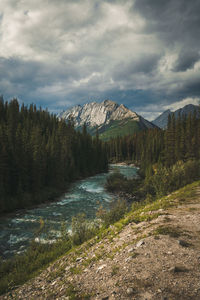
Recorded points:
(123,247)
(116,128)
(119,128)
(26,266)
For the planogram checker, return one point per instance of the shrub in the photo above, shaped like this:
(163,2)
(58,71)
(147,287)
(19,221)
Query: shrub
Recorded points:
(115,182)
(82,229)
(117,211)
(166,180)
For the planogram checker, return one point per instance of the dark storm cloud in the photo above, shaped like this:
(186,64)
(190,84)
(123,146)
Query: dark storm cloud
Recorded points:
(172,19)
(186,60)
(59,53)
(32,81)
(145,64)
(177,24)
(192,87)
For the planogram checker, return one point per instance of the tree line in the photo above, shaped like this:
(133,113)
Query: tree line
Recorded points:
(41,155)
(179,142)
(168,159)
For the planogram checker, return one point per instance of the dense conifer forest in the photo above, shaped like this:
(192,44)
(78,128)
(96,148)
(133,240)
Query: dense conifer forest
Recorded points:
(179,142)
(168,159)
(40,155)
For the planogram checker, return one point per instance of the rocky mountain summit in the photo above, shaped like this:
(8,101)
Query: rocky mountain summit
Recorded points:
(161,120)
(104,115)
(96,114)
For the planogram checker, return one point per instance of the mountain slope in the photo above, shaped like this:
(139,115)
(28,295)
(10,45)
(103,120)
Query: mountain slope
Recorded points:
(161,120)
(110,118)
(153,253)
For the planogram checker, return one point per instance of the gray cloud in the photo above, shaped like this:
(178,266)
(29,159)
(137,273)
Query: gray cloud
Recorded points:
(143,64)
(173,20)
(59,53)
(186,60)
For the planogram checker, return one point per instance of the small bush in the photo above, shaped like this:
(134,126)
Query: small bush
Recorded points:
(115,270)
(82,229)
(166,180)
(117,211)
(115,182)
(118,183)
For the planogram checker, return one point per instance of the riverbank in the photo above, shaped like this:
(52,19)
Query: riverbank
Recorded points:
(125,163)
(84,196)
(48,196)
(152,253)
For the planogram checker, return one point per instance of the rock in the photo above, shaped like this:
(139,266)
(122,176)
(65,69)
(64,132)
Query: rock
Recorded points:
(183,243)
(140,243)
(112,227)
(177,269)
(86,270)
(105,298)
(79,259)
(171,269)
(130,250)
(54,282)
(101,267)
(128,259)
(129,291)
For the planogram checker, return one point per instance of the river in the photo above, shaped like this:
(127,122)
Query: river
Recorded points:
(84,196)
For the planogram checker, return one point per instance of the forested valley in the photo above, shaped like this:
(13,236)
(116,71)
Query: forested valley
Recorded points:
(41,155)
(168,159)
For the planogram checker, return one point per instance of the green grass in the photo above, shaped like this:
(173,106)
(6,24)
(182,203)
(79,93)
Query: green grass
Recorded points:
(119,128)
(115,128)
(115,270)
(17,270)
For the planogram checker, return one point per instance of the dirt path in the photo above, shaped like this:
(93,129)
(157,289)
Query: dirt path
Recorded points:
(157,259)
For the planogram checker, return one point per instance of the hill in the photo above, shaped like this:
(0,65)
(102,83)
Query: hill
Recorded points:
(110,118)
(153,253)
(161,120)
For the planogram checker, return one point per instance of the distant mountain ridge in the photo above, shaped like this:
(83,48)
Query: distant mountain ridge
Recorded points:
(161,120)
(110,118)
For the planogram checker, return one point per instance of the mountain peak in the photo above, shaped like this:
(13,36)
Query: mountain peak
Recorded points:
(104,114)
(108,102)
(161,120)
(98,114)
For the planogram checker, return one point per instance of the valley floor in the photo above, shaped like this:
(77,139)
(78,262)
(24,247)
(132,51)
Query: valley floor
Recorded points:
(154,253)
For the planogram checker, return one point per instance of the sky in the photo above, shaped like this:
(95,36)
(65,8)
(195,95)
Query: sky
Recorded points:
(60,53)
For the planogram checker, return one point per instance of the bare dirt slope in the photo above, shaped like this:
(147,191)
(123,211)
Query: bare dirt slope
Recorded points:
(156,259)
